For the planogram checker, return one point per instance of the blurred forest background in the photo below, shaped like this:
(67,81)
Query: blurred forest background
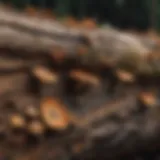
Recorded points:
(135,14)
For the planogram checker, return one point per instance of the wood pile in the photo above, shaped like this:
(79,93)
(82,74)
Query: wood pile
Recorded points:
(76,93)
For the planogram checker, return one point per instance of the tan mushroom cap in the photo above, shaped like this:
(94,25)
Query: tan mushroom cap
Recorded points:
(36,127)
(54,114)
(148,98)
(125,76)
(85,77)
(17,121)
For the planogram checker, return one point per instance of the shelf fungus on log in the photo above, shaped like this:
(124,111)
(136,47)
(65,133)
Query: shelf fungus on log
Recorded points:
(54,114)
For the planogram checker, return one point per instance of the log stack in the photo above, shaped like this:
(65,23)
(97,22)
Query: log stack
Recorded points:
(76,93)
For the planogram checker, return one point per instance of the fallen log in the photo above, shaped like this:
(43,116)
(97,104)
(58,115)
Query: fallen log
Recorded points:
(34,33)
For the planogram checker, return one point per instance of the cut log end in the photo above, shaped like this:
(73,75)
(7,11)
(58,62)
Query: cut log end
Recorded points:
(54,114)
(44,75)
(17,121)
(125,76)
(36,128)
(32,111)
(85,77)
(148,98)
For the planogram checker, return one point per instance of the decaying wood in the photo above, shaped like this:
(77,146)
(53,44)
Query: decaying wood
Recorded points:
(34,33)
(103,45)
(121,140)
(107,109)
(17,81)
(111,122)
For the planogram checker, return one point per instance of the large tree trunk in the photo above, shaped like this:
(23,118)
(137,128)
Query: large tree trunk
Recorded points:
(20,31)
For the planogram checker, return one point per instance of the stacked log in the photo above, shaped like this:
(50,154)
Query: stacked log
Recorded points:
(97,90)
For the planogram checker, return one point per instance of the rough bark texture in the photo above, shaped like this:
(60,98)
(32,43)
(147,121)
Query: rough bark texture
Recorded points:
(33,33)
(106,119)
